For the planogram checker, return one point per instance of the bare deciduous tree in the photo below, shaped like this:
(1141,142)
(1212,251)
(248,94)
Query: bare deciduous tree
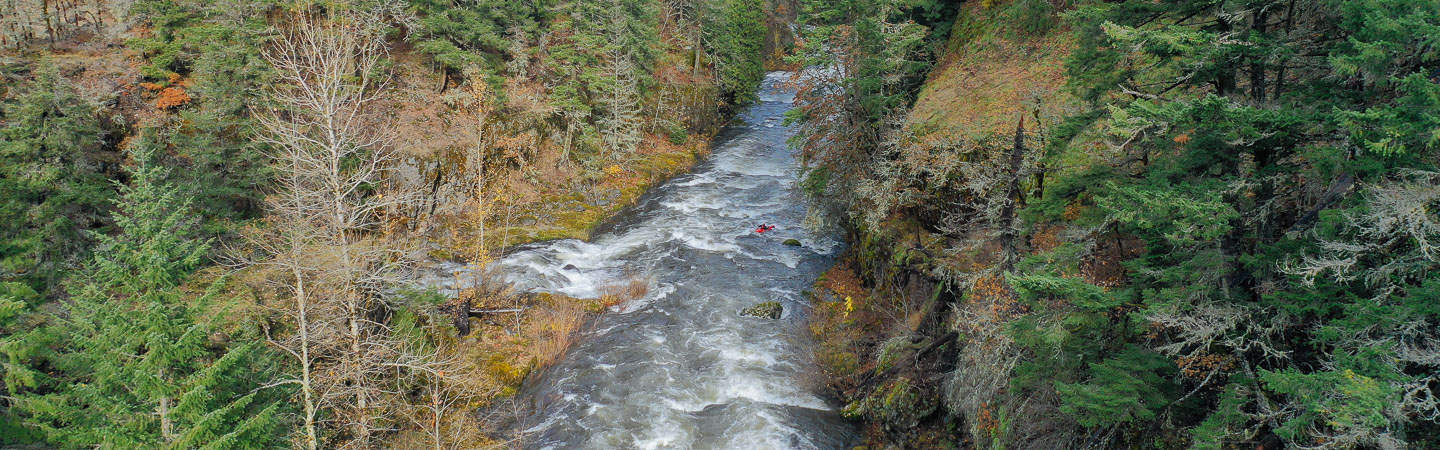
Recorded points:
(24,21)
(442,382)
(327,237)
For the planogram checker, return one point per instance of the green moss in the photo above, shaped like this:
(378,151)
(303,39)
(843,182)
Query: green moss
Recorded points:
(766,310)
(505,371)
(837,360)
(890,351)
(792,242)
(1002,429)
(571,217)
(901,405)
(897,405)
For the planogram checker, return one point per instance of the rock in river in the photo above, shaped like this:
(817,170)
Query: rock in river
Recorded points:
(767,310)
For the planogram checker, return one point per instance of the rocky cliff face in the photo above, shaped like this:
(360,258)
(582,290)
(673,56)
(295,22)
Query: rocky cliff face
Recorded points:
(909,322)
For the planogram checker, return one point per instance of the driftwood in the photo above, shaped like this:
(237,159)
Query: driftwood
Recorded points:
(461,311)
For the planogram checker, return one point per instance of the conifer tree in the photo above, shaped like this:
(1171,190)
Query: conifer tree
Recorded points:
(1222,114)
(460,35)
(620,124)
(1245,192)
(19,346)
(734,33)
(873,59)
(135,367)
(211,51)
(52,178)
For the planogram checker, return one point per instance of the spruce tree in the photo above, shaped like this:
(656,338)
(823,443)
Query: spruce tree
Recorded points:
(52,178)
(135,369)
(213,51)
(735,31)
(1222,116)
(19,346)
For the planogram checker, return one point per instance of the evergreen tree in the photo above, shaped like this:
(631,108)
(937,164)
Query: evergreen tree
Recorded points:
(868,58)
(474,32)
(53,183)
(1246,199)
(18,348)
(1223,114)
(621,123)
(134,366)
(570,55)
(735,31)
(216,48)
(602,53)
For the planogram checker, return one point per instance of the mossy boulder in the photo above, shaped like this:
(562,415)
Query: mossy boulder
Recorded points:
(898,405)
(792,242)
(892,350)
(767,310)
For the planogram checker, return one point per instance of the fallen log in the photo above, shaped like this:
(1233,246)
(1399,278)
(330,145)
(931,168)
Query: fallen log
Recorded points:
(460,313)
(879,376)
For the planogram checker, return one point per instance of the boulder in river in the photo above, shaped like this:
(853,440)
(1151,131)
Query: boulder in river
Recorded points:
(767,310)
(792,242)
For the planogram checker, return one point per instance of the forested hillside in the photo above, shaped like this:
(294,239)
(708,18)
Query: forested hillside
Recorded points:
(1129,224)
(213,211)
(1071,223)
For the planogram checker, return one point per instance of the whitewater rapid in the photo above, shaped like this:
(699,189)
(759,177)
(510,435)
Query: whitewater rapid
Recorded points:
(680,367)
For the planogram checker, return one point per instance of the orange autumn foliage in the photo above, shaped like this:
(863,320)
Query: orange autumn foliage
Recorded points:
(986,420)
(172,97)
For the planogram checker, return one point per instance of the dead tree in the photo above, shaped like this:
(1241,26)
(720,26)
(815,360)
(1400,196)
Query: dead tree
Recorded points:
(1013,197)
(332,150)
(621,123)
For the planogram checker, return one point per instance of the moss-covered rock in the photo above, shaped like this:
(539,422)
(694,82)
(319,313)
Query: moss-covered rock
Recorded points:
(767,310)
(892,350)
(898,405)
(792,242)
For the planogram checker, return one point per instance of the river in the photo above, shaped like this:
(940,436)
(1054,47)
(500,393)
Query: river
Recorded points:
(680,367)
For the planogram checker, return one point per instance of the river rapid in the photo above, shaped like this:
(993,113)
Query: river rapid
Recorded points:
(681,367)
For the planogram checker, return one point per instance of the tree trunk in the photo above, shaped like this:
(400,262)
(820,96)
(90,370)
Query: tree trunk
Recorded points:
(1012,198)
(358,381)
(307,389)
(167,431)
(1257,66)
(1280,72)
(49,24)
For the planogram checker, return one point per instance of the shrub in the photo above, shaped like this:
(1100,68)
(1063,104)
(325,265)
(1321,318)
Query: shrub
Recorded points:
(172,97)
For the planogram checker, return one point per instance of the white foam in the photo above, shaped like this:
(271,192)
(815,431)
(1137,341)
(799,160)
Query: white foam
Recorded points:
(779,91)
(652,374)
(660,438)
